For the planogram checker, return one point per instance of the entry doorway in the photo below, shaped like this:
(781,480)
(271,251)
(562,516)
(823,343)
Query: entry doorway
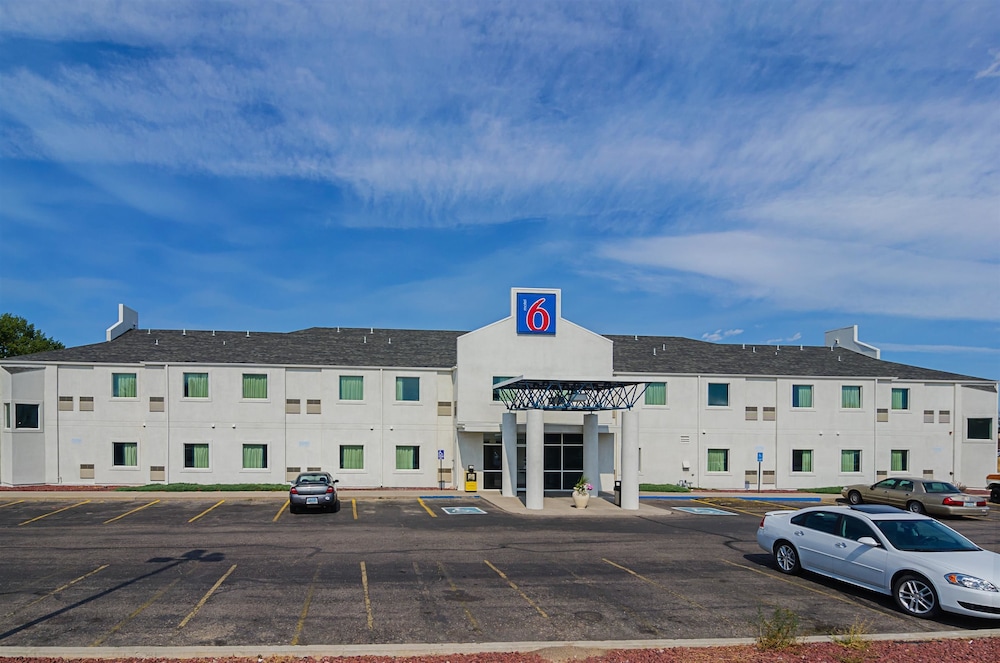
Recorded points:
(563,461)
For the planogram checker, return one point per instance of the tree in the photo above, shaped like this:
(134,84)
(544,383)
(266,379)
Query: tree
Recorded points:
(18,337)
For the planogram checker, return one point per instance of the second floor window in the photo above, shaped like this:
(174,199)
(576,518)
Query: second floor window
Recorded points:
(718,394)
(407,389)
(124,385)
(352,388)
(196,385)
(900,399)
(254,385)
(802,395)
(850,397)
(656,393)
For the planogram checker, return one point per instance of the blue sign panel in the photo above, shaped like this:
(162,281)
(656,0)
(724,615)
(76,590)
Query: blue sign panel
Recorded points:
(536,313)
(760,456)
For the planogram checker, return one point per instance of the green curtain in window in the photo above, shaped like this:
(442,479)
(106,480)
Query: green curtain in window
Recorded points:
(352,388)
(717,460)
(897,462)
(900,399)
(806,460)
(352,457)
(407,389)
(499,393)
(123,385)
(196,385)
(254,457)
(254,386)
(802,395)
(656,393)
(129,454)
(850,397)
(407,458)
(850,460)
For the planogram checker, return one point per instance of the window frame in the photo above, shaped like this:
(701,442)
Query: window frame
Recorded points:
(184,386)
(114,455)
(796,397)
(255,399)
(857,455)
(114,386)
(979,421)
(646,394)
(340,388)
(725,461)
(843,397)
(38,417)
(904,456)
(905,391)
(243,457)
(401,389)
(195,468)
(710,396)
(804,455)
(350,447)
(416,458)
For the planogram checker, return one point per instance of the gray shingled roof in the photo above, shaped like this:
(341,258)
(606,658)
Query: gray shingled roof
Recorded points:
(323,346)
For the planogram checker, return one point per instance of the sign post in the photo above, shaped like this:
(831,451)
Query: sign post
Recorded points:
(441,469)
(760,459)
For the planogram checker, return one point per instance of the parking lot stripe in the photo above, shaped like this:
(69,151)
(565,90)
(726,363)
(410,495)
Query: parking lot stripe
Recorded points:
(128,513)
(455,590)
(52,513)
(117,627)
(58,589)
(10,503)
(305,607)
(368,600)
(426,508)
(653,582)
(516,589)
(206,511)
(280,511)
(204,599)
(354,508)
(726,506)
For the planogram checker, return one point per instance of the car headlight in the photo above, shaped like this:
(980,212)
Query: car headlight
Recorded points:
(970,582)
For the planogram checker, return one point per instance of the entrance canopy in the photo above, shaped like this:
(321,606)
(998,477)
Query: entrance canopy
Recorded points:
(568,395)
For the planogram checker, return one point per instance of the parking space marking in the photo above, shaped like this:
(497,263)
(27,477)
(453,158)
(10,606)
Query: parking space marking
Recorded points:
(128,513)
(368,599)
(704,510)
(305,607)
(52,513)
(57,590)
(426,508)
(456,590)
(354,508)
(219,503)
(280,511)
(462,510)
(117,627)
(10,503)
(204,599)
(653,582)
(516,589)
(731,508)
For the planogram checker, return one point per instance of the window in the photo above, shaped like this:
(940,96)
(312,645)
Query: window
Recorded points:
(802,395)
(254,457)
(6,416)
(718,394)
(26,415)
(352,457)
(497,393)
(124,385)
(802,460)
(979,429)
(656,393)
(899,460)
(855,528)
(196,385)
(254,386)
(196,456)
(407,389)
(850,397)
(850,460)
(408,457)
(900,399)
(125,454)
(352,388)
(718,460)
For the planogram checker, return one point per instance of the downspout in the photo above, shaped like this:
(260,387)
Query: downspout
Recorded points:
(381,427)
(58,437)
(777,397)
(166,405)
(697,436)
(875,417)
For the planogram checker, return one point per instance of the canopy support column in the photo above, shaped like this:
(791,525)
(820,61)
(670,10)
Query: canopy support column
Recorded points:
(535,456)
(630,460)
(508,461)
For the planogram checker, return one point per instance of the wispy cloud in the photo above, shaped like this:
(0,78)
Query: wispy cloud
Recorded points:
(720,335)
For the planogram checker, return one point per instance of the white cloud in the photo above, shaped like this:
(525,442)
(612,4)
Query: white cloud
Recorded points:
(719,335)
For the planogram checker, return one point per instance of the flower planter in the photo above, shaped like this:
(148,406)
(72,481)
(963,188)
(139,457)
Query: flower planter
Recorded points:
(580,499)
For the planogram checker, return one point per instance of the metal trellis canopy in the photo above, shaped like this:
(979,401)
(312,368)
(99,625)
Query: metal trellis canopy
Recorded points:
(569,395)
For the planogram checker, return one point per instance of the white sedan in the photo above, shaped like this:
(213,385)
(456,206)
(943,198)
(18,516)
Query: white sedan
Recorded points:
(923,564)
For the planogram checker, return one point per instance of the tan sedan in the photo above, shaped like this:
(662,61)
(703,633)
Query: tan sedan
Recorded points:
(938,498)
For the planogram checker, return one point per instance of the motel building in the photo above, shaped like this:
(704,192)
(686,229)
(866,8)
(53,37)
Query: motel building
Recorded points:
(527,405)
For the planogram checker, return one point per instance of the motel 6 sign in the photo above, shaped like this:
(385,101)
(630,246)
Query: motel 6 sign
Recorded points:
(536,313)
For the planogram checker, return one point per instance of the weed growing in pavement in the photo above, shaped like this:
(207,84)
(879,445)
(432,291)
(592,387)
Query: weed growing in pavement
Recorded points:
(854,641)
(778,631)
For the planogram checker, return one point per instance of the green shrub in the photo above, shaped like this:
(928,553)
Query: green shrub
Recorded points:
(827,490)
(663,488)
(778,632)
(197,487)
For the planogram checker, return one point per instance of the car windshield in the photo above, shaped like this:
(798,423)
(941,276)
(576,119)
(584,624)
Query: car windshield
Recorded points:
(940,487)
(923,536)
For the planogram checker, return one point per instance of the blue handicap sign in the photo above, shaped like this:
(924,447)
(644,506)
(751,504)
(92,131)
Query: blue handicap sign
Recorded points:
(462,510)
(760,456)
(703,511)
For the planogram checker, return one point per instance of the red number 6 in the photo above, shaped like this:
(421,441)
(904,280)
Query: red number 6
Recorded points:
(532,315)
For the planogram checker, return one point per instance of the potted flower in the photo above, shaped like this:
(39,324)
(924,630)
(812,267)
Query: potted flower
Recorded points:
(581,493)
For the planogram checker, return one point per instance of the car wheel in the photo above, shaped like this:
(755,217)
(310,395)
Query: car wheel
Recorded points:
(854,497)
(995,495)
(336,506)
(786,557)
(293,509)
(915,507)
(915,596)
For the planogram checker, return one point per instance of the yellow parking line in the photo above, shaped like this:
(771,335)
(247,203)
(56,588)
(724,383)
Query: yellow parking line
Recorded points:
(731,508)
(305,607)
(206,511)
(368,600)
(426,508)
(354,507)
(10,503)
(52,513)
(280,511)
(59,589)
(454,588)
(652,582)
(516,589)
(117,627)
(128,513)
(204,599)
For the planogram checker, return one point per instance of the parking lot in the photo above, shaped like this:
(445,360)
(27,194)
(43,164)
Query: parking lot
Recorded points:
(94,570)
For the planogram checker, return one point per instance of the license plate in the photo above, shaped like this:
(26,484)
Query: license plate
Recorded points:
(312,500)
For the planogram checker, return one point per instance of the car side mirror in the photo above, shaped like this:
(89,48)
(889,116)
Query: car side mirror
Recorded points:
(868,541)
(336,481)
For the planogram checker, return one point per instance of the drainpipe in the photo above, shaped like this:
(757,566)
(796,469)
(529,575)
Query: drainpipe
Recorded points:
(58,438)
(381,427)
(166,407)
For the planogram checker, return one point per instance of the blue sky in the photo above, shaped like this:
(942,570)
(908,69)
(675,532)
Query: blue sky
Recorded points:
(754,172)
